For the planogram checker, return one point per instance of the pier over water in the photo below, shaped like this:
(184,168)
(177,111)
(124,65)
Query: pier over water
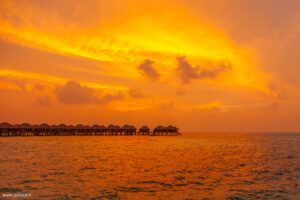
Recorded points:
(44,129)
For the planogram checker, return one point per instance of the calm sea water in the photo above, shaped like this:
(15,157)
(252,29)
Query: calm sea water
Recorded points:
(193,166)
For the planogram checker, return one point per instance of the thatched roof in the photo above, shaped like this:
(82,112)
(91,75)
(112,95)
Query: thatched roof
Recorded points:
(102,127)
(25,125)
(172,128)
(35,126)
(111,126)
(95,126)
(144,128)
(53,126)
(70,127)
(5,125)
(132,127)
(44,125)
(62,126)
(159,128)
(126,126)
(86,126)
(17,126)
(79,126)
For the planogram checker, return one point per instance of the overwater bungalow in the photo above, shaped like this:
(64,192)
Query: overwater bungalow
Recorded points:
(110,129)
(53,130)
(158,130)
(62,130)
(5,129)
(95,129)
(102,129)
(170,130)
(43,130)
(144,130)
(132,130)
(79,129)
(117,130)
(71,130)
(125,130)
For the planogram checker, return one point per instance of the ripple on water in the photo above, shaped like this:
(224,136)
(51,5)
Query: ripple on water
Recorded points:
(29,181)
(86,168)
(106,195)
(188,167)
(11,190)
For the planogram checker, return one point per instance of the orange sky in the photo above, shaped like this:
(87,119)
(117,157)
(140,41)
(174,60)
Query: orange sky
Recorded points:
(202,65)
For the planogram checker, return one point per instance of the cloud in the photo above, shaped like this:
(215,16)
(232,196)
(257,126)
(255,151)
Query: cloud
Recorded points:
(135,93)
(73,93)
(148,70)
(110,97)
(210,70)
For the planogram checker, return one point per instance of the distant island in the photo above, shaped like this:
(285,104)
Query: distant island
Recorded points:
(26,129)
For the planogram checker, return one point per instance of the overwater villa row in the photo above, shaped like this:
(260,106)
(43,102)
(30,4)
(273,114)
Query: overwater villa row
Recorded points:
(26,129)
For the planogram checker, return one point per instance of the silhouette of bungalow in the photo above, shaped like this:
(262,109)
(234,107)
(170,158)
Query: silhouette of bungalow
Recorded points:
(172,130)
(87,130)
(53,130)
(158,130)
(43,129)
(80,129)
(5,129)
(71,130)
(117,130)
(102,130)
(144,130)
(125,129)
(95,129)
(62,129)
(132,130)
(110,129)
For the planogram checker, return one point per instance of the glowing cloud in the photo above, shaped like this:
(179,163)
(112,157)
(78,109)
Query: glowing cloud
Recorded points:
(129,40)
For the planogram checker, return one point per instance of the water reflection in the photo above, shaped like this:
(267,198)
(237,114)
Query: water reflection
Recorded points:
(194,166)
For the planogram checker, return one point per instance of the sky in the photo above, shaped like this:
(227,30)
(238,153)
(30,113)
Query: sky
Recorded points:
(201,65)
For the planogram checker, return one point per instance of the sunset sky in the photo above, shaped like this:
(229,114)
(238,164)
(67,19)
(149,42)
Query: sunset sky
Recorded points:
(202,65)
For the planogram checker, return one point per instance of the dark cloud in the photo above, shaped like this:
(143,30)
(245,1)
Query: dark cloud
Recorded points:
(148,70)
(135,93)
(73,93)
(210,71)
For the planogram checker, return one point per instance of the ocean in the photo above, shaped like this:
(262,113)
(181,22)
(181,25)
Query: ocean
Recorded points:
(191,166)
